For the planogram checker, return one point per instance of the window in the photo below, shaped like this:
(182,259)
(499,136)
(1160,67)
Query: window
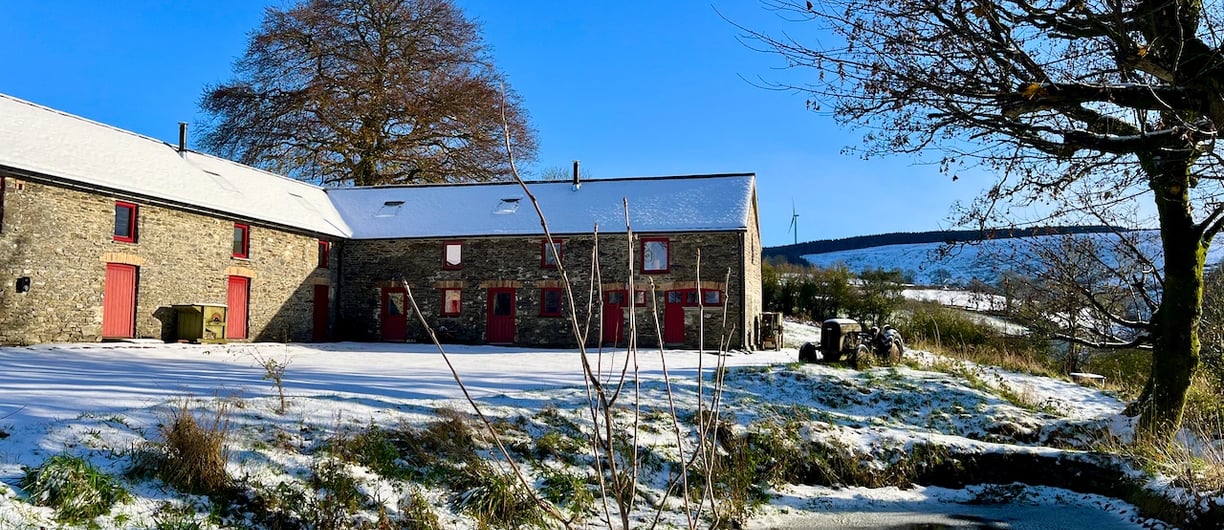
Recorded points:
(547,259)
(324,254)
(550,302)
(452,302)
(711,297)
(654,255)
(125,222)
(452,255)
(242,241)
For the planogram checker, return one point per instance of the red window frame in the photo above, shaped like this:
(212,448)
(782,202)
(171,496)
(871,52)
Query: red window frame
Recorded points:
(245,241)
(324,254)
(132,210)
(705,301)
(551,291)
(447,311)
(446,265)
(546,255)
(666,248)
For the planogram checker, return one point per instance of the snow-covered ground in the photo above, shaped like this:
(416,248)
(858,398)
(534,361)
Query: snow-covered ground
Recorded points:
(100,400)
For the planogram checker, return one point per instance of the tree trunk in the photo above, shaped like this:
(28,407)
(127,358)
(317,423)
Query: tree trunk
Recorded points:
(1175,354)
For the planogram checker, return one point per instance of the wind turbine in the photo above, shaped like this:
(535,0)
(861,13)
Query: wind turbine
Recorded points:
(794,226)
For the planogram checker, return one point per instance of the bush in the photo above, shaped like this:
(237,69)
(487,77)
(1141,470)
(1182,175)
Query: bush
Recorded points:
(496,498)
(76,489)
(193,454)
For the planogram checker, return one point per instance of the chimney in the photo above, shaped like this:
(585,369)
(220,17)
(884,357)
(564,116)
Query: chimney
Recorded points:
(577,180)
(182,137)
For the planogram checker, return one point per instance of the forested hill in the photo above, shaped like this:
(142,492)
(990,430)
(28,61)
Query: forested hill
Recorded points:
(794,253)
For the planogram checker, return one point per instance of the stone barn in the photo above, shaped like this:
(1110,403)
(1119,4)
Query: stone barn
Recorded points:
(103,232)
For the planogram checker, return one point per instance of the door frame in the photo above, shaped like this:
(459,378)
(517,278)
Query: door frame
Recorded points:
(491,325)
(230,311)
(393,328)
(108,302)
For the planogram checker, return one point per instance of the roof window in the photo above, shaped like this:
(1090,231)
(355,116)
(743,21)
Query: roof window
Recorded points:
(389,209)
(507,206)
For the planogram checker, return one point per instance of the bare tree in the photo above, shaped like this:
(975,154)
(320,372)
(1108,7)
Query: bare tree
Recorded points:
(1105,101)
(367,92)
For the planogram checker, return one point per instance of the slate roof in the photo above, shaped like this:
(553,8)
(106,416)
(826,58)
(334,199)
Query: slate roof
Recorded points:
(45,142)
(54,144)
(656,204)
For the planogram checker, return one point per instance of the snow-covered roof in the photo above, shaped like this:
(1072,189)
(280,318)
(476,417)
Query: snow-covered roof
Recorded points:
(44,142)
(54,144)
(656,204)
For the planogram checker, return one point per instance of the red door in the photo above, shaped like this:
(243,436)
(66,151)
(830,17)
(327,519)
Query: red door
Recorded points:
(322,304)
(500,326)
(614,317)
(119,301)
(238,298)
(673,318)
(394,325)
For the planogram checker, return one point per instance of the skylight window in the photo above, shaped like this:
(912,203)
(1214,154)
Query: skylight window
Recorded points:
(389,209)
(507,206)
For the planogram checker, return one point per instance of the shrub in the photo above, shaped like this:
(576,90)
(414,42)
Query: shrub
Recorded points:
(373,448)
(571,491)
(496,498)
(337,496)
(193,454)
(416,513)
(76,489)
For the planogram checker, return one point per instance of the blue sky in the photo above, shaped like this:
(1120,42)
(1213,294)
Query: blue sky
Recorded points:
(631,88)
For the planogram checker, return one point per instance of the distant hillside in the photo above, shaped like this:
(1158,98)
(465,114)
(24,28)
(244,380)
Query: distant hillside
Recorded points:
(794,253)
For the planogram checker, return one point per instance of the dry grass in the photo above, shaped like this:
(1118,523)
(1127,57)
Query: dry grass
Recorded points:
(193,453)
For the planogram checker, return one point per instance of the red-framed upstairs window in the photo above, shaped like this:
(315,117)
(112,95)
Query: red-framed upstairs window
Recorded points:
(656,255)
(550,302)
(452,302)
(547,259)
(125,222)
(452,255)
(242,241)
(324,254)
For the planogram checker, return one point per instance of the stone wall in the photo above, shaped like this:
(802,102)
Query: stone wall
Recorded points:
(62,239)
(370,265)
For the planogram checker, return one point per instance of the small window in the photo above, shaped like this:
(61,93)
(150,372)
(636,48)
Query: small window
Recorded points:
(711,297)
(507,206)
(452,255)
(547,259)
(242,241)
(324,254)
(389,209)
(655,255)
(616,297)
(639,298)
(550,302)
(125,222)
(452,302)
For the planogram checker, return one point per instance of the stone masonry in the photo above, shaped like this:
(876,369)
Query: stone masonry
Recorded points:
(62,238)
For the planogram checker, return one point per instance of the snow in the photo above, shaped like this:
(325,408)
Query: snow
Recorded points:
(984,261)
(51,143)
(100,400)
(662,204)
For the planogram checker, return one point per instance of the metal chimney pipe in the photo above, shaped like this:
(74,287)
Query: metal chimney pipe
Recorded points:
(577,182)
(182,136)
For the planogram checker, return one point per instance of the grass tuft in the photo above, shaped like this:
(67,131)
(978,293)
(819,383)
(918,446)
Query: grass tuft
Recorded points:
(193,452)
(76,489)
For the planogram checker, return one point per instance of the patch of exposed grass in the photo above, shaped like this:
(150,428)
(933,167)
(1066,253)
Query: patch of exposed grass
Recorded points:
(496,498)
(193,453)
(76,489)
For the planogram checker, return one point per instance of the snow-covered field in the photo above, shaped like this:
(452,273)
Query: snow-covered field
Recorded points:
(100,400)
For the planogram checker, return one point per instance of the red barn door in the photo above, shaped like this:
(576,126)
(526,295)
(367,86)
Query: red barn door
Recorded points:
(119,301)
(238,299)
(500,325)
(322,304)
(394,314)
